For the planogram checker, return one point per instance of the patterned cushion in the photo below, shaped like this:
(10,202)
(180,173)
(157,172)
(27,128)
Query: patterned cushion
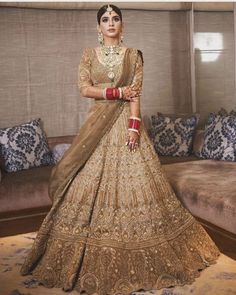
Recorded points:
(25,146)
(220,137)
(173,136)
(198,142)
(59,150)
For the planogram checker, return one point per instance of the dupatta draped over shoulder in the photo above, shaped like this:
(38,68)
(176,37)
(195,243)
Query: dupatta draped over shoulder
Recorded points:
(102,116)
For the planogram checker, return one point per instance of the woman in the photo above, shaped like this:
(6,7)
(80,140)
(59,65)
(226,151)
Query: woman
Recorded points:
(116,225)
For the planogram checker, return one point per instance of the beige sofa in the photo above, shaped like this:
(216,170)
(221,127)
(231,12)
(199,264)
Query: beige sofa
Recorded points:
(24,200)
(208,189)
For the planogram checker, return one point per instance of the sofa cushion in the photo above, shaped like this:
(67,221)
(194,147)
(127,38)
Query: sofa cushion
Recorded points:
(207,189)
(219,137)
(198,142)
(173,136)
(59,150)
(25,146)
(26,189)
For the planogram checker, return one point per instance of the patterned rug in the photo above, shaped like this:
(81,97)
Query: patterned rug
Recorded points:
(219,279)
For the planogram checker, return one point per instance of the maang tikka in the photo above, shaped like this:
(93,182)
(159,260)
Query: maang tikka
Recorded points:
(109,9)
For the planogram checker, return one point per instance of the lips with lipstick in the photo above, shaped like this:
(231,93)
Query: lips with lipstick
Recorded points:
(111,30)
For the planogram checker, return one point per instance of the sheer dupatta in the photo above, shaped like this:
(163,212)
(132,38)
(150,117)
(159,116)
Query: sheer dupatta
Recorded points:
(101,118)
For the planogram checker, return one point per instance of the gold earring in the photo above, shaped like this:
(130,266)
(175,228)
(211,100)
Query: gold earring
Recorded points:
(121,39)
(100,38)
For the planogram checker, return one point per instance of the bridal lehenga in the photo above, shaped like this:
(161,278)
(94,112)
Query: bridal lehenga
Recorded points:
(115,225)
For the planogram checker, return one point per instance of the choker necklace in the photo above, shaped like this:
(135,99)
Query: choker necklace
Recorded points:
(111,49)
(111,57)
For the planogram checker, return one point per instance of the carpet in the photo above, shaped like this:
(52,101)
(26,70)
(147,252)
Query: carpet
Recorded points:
(219,279)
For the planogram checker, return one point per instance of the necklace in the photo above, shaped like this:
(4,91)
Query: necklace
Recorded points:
(111,56)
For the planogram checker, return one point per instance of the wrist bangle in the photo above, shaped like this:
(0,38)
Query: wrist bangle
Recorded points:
(112,93)
(135,130)
(121,93)
(136,118)
(104,93)
(134,123)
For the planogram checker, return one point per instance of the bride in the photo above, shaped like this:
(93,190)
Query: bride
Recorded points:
(115,225)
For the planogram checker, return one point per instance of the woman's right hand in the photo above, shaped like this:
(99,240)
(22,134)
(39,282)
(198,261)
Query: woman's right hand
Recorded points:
(130,93)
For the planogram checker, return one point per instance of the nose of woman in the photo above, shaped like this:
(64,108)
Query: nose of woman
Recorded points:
(111,22)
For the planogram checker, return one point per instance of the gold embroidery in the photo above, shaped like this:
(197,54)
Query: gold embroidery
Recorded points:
(120,227)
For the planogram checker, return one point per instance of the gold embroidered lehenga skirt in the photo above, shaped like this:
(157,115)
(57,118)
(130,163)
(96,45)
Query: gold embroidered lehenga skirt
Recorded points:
(120,227)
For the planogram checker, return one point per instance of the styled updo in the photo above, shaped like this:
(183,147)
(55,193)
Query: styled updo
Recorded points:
(103,9)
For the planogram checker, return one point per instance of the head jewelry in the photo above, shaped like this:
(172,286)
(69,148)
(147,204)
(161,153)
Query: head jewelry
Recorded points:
(109,9)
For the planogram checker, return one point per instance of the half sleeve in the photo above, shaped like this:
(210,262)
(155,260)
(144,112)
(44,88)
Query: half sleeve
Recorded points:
(84,71)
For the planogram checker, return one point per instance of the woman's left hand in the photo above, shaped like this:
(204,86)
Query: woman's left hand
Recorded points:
(131,93)
(132,141)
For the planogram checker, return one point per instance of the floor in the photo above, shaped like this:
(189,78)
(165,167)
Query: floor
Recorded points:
(219,279)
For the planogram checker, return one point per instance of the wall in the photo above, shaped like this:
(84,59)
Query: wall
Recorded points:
(214,61)
(40,51)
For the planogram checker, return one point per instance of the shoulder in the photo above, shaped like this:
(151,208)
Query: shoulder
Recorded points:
(137,52)
(88,50)
(87,54)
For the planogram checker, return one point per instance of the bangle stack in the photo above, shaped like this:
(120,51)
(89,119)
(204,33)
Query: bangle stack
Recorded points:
(134,124)
(112,93)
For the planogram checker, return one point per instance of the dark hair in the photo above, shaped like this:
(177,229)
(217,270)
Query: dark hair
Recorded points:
(103,9)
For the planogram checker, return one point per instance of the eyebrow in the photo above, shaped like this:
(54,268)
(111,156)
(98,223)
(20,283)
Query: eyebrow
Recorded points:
(104,17)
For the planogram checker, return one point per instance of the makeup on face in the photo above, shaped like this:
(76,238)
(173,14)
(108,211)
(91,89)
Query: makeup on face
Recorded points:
(110,20)
(110,25)
(114,18)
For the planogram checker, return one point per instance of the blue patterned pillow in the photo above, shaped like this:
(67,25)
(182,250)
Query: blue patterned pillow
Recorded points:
(25,146)
(220,137)
(173,136)
(59,150)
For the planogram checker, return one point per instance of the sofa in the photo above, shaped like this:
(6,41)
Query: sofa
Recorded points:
(24,200)
(206,187)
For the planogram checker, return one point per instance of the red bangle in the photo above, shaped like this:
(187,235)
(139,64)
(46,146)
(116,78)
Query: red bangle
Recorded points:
(134,123)
(112,93)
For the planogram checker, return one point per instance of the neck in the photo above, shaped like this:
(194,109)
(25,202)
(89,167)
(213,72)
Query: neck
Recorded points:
(111,42)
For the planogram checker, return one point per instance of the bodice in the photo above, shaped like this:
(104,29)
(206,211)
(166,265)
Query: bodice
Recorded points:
(99,71)
(93,72)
